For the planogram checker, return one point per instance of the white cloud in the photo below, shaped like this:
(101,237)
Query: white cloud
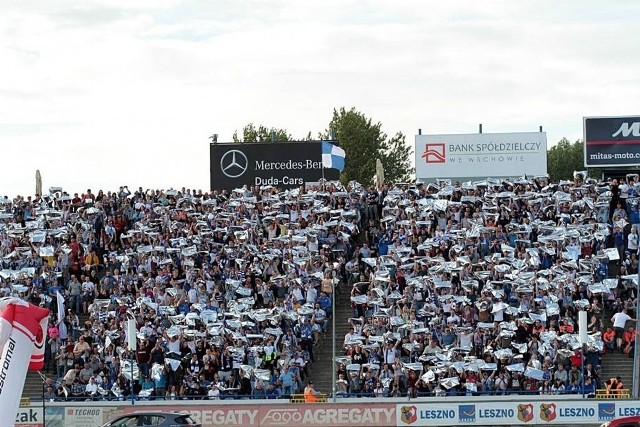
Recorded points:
(113,92)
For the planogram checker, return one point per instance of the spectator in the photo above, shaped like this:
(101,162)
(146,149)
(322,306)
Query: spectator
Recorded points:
(619,320)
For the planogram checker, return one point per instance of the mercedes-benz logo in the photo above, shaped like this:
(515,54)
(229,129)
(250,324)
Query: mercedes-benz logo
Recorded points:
(234,163)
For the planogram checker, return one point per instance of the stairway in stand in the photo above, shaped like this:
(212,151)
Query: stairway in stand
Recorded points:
(616,363)
(33,382)
(321,371)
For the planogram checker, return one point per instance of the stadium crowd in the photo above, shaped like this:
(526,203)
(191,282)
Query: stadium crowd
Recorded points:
(455,288)
(476,289)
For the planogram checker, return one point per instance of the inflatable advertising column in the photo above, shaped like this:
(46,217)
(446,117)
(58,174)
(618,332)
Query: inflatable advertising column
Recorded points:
(22,337)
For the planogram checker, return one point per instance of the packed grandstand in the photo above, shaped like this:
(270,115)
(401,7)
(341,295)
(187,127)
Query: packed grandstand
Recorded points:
(456,289)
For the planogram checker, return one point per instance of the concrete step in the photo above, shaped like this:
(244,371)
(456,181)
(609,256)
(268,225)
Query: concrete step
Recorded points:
(322,371)
(616,363)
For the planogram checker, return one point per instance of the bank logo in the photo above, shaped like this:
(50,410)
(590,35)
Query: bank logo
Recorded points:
(467,413)
(409,414)
(434,153)
(234,163)
(548,412)
(606,411)
(525,412)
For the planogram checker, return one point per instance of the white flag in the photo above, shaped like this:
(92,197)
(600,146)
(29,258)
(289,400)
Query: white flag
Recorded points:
(60,301)
(62,328)
(132,334)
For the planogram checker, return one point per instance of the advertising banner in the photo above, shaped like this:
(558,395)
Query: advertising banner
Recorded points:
(282,164)
(568,412)
(423,412)
(612,141)
(29,417)
(259,415)
(481,155)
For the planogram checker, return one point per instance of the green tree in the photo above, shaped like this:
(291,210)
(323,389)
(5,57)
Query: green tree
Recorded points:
(395,157)
(261,134)
(564,158)
(363,142)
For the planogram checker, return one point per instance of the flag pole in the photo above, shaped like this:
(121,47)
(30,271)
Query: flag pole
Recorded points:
(333,342)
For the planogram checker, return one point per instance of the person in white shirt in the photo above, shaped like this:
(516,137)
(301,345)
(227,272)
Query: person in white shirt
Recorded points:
(619,320)
(632,240)
(312,294)
(348,336)
(213,393)
(91,389)
(193,295)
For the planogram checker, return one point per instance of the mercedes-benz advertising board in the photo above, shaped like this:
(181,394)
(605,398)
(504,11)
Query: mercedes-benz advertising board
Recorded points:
(481,155)
(612,141)
(281,164)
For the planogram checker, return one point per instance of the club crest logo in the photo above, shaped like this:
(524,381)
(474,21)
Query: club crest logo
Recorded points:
(525,412)
(409,414)
(548,411)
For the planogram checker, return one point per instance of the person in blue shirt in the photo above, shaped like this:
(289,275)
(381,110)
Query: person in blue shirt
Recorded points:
(589,388)
(306,337)
(449,337)
(183,306)
(272,391)
(383,245)
(287,379)
(325,303)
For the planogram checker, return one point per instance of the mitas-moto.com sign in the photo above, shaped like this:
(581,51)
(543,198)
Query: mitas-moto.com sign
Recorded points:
(284,165)
(612,141)
(481,155)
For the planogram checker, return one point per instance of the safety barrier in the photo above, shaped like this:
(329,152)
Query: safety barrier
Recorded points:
(603,393)
(299,398)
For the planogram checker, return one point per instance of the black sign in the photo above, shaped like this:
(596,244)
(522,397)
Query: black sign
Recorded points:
(280,164)
(611,141)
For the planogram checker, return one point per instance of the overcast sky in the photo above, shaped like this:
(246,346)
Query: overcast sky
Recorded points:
(101,93)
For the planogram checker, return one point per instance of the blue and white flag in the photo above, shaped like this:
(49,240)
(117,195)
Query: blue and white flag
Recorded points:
(332,156)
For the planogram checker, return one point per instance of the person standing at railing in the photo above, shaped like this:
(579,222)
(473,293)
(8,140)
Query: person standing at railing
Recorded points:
(619,320)
(310,394)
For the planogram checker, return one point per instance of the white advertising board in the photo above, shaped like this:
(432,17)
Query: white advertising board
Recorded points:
(481,155)
(525,412)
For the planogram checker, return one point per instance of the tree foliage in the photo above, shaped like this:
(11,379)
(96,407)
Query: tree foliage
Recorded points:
(564,158)
(396,159)
(363,142)
(251,133)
